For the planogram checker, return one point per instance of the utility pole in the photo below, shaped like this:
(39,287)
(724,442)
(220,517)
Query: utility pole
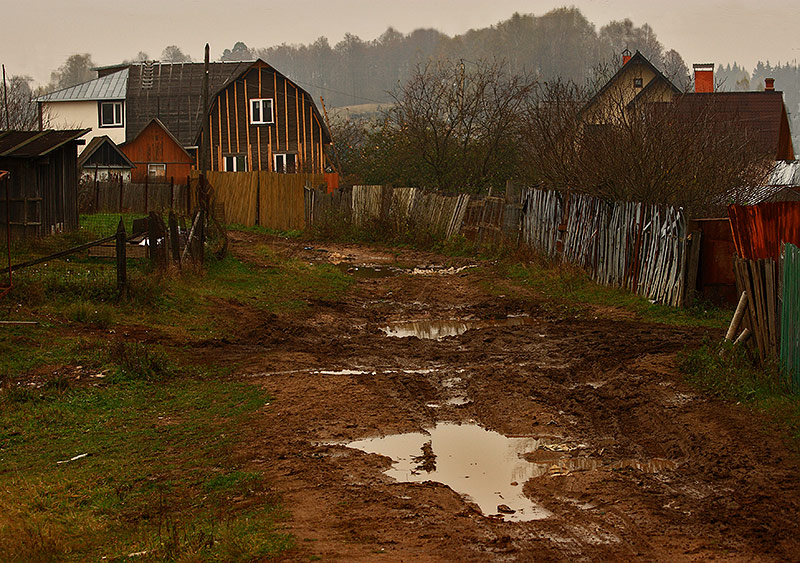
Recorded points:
(5,98)
(205,146)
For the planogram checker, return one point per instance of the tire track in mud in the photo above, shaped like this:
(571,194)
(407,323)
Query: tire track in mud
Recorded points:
(637,465)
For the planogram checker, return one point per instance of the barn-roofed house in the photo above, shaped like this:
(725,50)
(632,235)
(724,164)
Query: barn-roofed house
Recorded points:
(43,181)
(258,118)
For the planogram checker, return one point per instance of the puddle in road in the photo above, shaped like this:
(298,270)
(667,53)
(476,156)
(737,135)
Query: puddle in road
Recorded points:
(577,464)
(368,271)
(484,466)
(439,329)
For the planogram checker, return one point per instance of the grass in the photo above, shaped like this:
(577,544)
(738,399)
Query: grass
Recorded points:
(728,372)
(567,284)
(157,475)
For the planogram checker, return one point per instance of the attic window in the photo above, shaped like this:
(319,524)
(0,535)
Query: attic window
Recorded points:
(111,114)
(637,82)
(261,111)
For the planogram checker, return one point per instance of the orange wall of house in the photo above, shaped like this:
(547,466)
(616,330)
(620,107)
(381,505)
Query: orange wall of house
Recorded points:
(154,146)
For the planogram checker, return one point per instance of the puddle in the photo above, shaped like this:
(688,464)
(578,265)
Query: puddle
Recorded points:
(368,271)
(437,330)
(485,467)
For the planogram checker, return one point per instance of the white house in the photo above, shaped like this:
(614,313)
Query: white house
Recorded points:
(98,104)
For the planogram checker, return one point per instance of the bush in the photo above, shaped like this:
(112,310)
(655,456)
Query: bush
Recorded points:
(135,361)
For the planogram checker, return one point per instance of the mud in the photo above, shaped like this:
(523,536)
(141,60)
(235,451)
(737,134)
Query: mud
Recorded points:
(626,461)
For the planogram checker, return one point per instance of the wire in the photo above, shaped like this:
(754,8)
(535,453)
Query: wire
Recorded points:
(338,92)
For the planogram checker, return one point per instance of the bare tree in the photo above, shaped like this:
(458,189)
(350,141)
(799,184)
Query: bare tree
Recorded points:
(20,114)
(456,124)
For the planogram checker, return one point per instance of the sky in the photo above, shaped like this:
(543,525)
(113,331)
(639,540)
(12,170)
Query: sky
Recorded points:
(37,36)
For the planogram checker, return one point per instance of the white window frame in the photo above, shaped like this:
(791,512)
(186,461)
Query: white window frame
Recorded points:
(257,106)
(152,166)
(234,158)
(282,156)
(118,112)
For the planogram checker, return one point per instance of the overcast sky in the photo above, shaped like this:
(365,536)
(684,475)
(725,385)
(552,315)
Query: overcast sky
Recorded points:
(37,36)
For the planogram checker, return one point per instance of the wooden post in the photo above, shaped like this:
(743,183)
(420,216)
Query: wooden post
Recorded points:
(188,194)
(96,191)
(692,266)
(173,237)
(258,197)
(737,317)
(146,189)
(122,263)
(172,192)
(120,194)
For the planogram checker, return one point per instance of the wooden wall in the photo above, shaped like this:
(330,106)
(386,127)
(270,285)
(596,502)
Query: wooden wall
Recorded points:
(298,128)
(154,146)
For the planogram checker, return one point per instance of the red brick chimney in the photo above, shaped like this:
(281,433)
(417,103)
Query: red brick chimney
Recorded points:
(769,84)
(626,56)
(703,78)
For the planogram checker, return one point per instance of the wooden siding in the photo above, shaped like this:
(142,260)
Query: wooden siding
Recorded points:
(297,128)
(155,146)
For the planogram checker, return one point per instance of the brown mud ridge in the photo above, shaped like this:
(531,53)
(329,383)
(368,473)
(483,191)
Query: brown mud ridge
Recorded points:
(621,459)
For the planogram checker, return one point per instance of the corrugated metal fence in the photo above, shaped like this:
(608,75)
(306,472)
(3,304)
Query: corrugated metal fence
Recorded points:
(790,317)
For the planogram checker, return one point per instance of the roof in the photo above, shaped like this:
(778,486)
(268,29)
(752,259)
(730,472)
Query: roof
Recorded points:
(110,87)
(95,145)
(637,58)
(26,144)
(156,121)
(761,114)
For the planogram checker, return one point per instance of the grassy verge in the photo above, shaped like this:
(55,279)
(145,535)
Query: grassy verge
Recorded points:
(571,285)
(729,373)
(141,461)
(161,477)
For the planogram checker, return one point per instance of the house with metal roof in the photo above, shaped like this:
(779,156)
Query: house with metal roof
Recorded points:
(98,105)
(258,119)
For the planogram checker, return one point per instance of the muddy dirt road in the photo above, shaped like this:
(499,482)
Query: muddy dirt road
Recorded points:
(560,434)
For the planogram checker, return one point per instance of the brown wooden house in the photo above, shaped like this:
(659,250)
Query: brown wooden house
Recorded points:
(261,120)
(157,156)
(258,118)
(43,181)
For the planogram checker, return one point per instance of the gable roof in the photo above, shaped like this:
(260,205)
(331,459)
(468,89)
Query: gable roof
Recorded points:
(761,114)
(26,144)
(110,87)
(636,58)
(158,123)
(106,144)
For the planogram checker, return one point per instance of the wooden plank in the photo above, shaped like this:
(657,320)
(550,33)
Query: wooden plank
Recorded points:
(228,118)
(236,113)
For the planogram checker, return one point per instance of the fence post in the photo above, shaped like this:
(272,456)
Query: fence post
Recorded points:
(173,237)
(188,195)
(96,191)
(122,263)
(120,194)
(146,189)
(172,192)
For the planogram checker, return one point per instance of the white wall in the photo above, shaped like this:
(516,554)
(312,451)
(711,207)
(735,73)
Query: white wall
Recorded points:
(80,115)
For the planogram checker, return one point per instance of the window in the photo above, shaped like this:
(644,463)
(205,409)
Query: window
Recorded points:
(261,111)
(157,172)
(234,163)
(285,163)
(637,82)
(111,114)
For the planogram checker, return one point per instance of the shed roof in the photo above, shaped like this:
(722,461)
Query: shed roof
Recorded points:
(109,87)
(95,145)
(26,144)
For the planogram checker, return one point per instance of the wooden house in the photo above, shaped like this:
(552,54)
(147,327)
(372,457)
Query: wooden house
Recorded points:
(158,156)
(103,161)
(43,181)
(258,119)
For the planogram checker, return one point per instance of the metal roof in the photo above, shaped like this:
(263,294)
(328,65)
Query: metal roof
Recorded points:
(26,144)
(110,87)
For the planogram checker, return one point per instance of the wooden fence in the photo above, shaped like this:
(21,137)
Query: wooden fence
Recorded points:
(127,197)
(643,248)
(269,199)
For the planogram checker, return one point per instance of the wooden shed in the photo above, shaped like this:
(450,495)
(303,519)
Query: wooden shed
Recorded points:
(157,155)
(103,161)
(43,181)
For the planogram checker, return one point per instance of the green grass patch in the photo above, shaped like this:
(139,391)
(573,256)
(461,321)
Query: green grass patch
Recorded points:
(258,229)
(573,285)
(728,372)
(135,467)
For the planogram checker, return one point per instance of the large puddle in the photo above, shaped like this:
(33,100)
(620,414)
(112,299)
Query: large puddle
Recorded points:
(368,271)
(439,329)
(485,467)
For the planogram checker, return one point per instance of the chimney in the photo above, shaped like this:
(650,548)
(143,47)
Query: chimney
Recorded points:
(626,56)
(703,78)
(769,84)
